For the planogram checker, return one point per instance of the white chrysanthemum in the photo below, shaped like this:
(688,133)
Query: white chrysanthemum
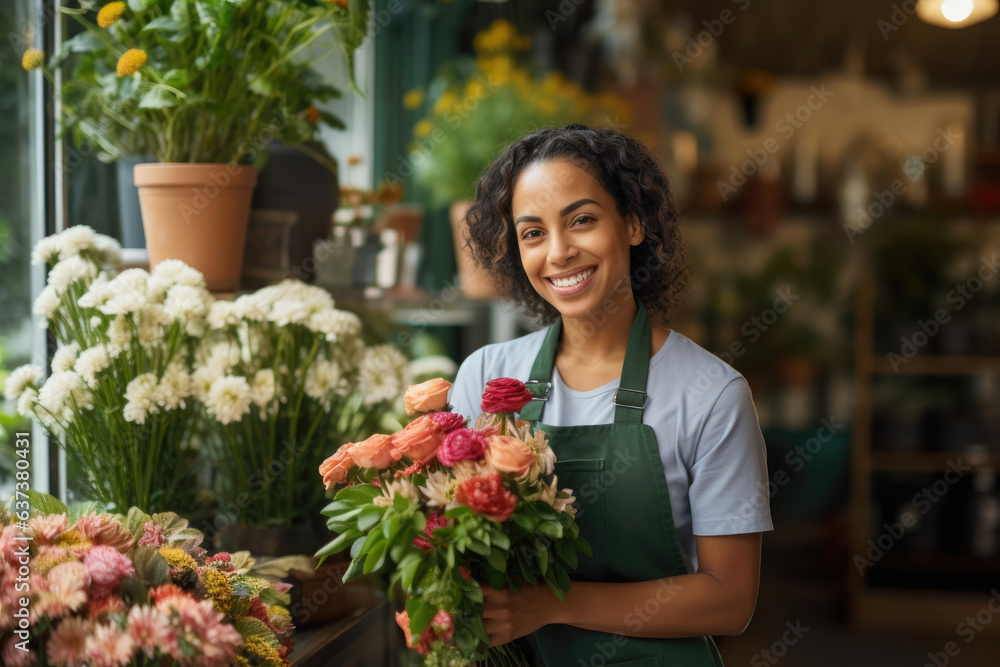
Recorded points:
(21,379)
(224,314)
(152,325)
(119,335)
(98,293)
(129,293)
(437,488)
(202,379)
(26,402)
(437,365)
(187,303)
(47,304)
(65,357)
(174,387)
(228,399)
(92,361)
(314,298)
(262,389)
(65,393)
(290,311)
(252,308)
(383,374)
(223,357)
(322,379)
(334,324)
(71,270)
(403,486)
(75,240)
(140,397)
(95,322)
(47,250)
(172,272)
(108,250)
(545,458)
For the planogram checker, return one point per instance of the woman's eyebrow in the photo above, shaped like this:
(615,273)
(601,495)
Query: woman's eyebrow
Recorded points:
(569,209)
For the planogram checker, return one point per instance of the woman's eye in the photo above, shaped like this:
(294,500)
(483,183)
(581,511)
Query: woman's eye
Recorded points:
(528,234)
(582,219)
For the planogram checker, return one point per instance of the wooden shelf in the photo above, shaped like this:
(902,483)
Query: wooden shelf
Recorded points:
(938,365)
(928,461)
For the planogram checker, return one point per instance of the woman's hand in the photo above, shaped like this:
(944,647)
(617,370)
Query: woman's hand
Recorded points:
(508,615)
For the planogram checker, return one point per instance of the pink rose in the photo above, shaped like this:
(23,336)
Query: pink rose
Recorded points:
(508,454)
(375,452)
(426,396)
(505,395)
(106,567)
(461,445)
(448,421)
(152,535)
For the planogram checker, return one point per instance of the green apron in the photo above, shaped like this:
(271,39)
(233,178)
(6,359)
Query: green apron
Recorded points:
(624,512)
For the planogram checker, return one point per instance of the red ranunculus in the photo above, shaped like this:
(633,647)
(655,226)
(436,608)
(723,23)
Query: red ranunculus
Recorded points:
(505,395)
(487,496)
(461,445)
(448,421)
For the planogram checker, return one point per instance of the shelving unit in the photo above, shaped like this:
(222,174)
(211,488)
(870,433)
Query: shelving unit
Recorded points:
(906,609)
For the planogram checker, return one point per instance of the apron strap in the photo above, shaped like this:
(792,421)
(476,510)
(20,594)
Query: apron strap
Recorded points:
(629,399)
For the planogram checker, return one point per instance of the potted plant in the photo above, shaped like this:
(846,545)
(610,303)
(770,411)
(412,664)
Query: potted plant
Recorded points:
(205,85)
(478,105)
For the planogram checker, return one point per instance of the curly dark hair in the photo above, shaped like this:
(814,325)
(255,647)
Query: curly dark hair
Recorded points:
(627,170)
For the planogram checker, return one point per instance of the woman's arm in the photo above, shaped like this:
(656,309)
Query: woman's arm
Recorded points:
(718,599)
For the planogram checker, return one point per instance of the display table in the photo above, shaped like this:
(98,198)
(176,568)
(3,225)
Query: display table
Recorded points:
(362,639)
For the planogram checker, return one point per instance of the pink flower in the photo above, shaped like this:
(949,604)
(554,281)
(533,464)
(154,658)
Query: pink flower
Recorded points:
(64,590)
(152,535)
(104,529)
(434,521)
(107,568)
(47,528)
(15,657)
(375,452)
(67,644)
(505,395)
(448,421)
(100,608)
(198,625)
(148,629)
(443,625)
(461,445)
(110,646)
(465,572)
(11,540)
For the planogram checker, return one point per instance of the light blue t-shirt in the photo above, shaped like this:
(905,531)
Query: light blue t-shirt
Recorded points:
(701,410)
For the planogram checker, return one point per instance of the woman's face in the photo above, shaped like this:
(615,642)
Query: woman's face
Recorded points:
(574,245)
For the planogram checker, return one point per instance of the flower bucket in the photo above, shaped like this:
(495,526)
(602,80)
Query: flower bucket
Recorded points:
(197,213)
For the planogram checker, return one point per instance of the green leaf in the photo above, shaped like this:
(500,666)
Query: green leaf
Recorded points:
(479,548)
(374,537)
(138,6)
(150,566)
(421,614)
(562,576)
(165,23)
(339,543)
(419,521)
(550,529)
(409,571)
(369,516)
(361,494)
(500,540)
(252,627)
(76,510)
(495,577)
(376,557)
(542,553)
(354,569)
(497,559)
(450,555)
(583,545)
(159,97)
(85,42)
(333,121)
(135,522)
(46,504)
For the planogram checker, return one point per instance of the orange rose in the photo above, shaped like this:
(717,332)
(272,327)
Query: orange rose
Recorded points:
(335,468)
(375,452)
(508,454)
(419,440)
(426,396)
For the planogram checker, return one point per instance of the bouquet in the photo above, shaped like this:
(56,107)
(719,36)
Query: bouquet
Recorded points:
(135,589)
(117,399)
(280,373)
(450,505)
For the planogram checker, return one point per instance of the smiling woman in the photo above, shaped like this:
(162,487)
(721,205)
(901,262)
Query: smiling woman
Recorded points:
(579,225)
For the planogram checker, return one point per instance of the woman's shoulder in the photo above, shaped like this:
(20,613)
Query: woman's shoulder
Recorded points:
(698,371)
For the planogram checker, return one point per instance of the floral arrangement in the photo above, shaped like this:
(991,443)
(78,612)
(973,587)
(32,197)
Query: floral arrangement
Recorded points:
(201,80)
(479,105)
(279,374)
(359,206)
(450,505)
(148,361)
(118,395)
(135,589)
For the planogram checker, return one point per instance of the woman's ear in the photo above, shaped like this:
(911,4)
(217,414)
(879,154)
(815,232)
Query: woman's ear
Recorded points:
(636,232)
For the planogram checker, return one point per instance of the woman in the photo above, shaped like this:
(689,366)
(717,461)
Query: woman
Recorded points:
(657,437)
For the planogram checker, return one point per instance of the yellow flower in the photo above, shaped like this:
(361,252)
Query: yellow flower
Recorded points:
(445,102)
(32,59)
(71,539)
(475,88)
(258,648)
(110,13)
(413,99)
(131,62)
(279,616)
(354,160)
(177,558)
(218,589)
(423,128)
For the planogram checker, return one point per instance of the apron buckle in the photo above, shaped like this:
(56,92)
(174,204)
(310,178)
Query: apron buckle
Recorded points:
(543,397)
(645,398)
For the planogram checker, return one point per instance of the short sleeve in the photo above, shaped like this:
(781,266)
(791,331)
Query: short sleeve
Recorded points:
(729,483)
(467,390)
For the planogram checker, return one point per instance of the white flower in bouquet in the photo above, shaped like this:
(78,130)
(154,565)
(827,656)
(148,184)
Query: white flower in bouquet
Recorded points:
(140,398)
(223,314)
(228,399)
(65,357)
(171,272)
(26,402)
(545,458)
(174,387)
(333,323)
(92,361)
(546,492)
(119,335)
(152,326)
(127,293)
(64,394)
(403,486)
(322,380)
(71,270)
(437,488)
(262,389)
(47,304)
(21,379)
(223,356)
(98,293)
(189,305)
(78,240)
(564,504)
(252,308)
(384,373)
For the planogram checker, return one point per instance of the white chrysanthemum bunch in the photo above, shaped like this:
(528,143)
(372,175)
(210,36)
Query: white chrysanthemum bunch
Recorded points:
(119,397)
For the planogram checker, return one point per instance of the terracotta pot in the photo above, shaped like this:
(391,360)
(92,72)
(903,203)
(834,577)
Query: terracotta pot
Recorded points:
(197,213)
(473,281)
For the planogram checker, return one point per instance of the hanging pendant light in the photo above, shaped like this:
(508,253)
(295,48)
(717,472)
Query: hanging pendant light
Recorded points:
(955,13)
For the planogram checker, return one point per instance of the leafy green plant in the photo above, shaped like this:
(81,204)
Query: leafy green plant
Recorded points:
(202,80)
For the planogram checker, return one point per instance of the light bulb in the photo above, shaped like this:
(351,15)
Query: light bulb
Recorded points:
(957,10)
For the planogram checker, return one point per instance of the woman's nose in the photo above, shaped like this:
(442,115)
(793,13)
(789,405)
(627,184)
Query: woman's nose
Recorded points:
(560,249)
